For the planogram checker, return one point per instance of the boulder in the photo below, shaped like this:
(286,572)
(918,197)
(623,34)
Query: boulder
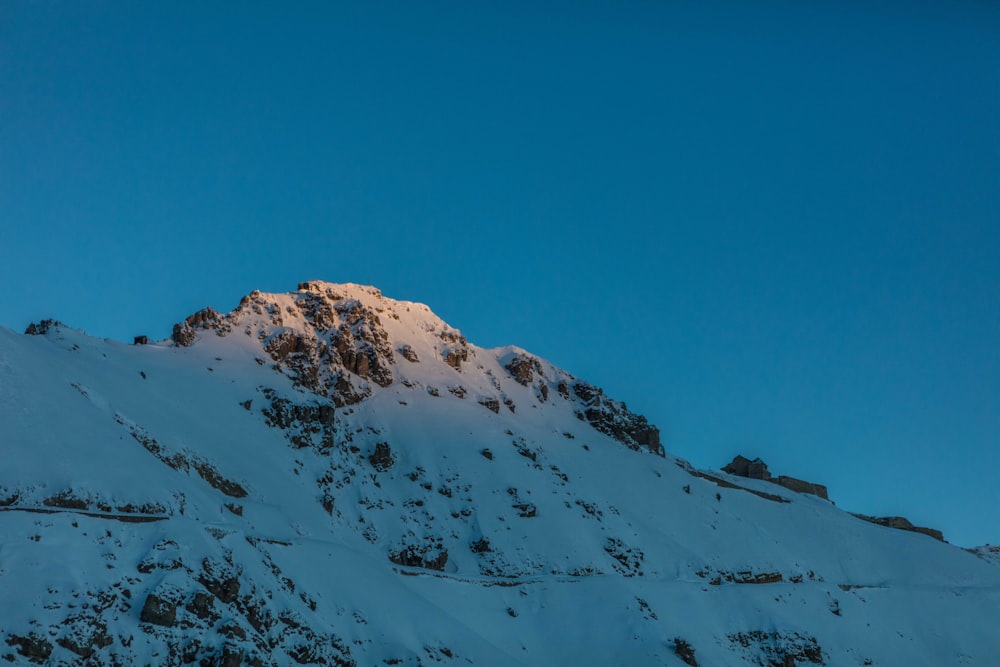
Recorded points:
(408,353)
(158,611)
(382,458)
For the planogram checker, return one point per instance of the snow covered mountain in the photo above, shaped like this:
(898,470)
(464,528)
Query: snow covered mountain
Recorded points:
(333,477)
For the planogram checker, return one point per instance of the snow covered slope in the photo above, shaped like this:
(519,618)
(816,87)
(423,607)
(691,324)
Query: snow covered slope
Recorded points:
(333,477)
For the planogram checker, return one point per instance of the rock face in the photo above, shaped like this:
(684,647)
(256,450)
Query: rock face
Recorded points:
(332,341)
(614,419)
(158,611)
(382,458)
(523,368)
(43,327)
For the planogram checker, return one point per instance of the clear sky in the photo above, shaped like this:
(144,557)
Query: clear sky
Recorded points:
(772,227)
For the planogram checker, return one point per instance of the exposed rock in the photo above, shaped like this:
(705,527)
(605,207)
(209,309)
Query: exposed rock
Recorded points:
(779,649)
(408,353)
(43,327)
(382,458)
(220,581)
(685,652)
(67,500)
(628,559)
(34,647)
(184,332)
(85,646)
(491,404)
(305,424)
(456,349)
(183,335)
(526,510)
(429,559)
(140,340)
(453,359)
(522,368)
(158,611)
(231,657)
(747,577)
(208,473)
(335,352)
(614,419)
(201,605)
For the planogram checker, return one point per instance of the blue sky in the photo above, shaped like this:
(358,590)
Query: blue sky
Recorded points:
(774,230)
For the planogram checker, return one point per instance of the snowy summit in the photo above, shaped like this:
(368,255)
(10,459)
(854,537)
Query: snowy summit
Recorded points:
(330,476)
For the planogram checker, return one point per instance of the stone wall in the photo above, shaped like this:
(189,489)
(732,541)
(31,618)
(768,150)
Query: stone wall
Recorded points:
(801,486)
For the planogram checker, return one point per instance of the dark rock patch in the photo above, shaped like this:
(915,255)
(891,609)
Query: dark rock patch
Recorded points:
(43,327)
(382,458)
(427,558)
(685,652)
(523,368)
(158,611)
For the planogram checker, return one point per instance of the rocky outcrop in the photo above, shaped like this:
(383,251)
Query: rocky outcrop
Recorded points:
(304,424)
(454,348)
(328,342)
(33,646)
(685,652)
(408,353)
(428,559)
(614,419)
(780,649)
(43,327)
(490,403)
(382,458)
(206,318)
(158,611)
(523,368)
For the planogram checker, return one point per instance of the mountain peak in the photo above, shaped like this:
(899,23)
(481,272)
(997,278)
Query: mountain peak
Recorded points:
(345,342)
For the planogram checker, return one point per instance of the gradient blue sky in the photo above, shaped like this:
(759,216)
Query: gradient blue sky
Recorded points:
(772,227)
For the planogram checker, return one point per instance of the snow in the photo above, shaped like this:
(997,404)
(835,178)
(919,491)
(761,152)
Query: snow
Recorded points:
(617,561)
